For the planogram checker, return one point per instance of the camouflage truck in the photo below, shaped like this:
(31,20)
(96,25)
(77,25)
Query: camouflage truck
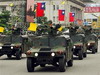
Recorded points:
(51,50)
(12,45)
(91,39)
(78,38)
(92,43)
(79,48)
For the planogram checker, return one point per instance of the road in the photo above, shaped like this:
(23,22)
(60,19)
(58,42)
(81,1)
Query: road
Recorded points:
(88,66)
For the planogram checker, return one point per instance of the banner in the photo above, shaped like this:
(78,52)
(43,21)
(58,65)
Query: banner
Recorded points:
(61,15)
(30,11)
(92,9)
(40,9)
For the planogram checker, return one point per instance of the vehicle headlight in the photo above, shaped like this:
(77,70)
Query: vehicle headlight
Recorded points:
(0,47)
(88,44)
(36,54)
(53,54)
(74,47)
(12,47)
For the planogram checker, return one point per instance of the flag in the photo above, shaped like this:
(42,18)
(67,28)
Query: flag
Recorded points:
(11,4)
(63,2)
(71,17)
(32,27)
(61,15)
(1,29)
(60,29)
(40,9)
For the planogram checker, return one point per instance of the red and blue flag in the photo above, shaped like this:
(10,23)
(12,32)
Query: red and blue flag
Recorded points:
(71,17)
(61,15)
(40,9)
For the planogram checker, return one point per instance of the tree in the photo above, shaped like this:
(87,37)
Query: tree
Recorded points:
(4,18)
(4,21)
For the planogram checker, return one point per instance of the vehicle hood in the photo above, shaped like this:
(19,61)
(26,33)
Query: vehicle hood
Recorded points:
(47,49)
(91,41)
(78,43)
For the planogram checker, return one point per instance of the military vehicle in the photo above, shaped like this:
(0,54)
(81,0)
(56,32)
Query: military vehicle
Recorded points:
(78,38)
(92,43)
(79,48)
(49,49)
(91,39)
(13,45)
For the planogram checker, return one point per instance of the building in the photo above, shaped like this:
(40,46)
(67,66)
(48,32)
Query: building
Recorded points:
(92,13)
(52,6)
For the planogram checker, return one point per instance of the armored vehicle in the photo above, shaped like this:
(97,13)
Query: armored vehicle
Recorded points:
(51,50)
(79,48)
(78,38)
(91,39)
(92,43)
(12,45)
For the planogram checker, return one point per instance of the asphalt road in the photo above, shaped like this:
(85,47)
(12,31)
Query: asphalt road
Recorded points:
(88,66)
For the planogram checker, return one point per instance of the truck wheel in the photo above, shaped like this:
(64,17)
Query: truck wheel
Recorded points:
(9,55)
(80,55)
(70,63)
(30,67)
(93,50)
(85,55)
(62,64)
(42,65)
(18,55)
(96,50)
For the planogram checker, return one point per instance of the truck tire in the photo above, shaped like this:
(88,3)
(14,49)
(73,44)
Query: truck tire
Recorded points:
(18,55)
(62,64)
(9,55)
(96,50)
(93,50)
(80,55)
(85,55)
(70,63)
(42,65)
(30,67)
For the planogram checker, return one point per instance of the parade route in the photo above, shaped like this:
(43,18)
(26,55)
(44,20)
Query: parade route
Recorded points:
(88,66)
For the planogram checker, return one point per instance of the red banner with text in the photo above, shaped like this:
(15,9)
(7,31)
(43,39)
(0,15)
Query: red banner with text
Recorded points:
(92,9)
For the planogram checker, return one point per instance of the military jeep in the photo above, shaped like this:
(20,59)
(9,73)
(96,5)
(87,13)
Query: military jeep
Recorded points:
(79,48)
(92,43)
(91,39)
(56,51)
(11,45)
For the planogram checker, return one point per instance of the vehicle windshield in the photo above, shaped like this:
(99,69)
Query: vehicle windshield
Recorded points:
(16,39)
(5,39)
(10,39)
(49,42)
(90,37)
(77,38)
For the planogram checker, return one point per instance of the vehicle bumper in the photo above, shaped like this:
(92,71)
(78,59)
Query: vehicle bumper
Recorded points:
(8,50)
(89,47)
(46,58)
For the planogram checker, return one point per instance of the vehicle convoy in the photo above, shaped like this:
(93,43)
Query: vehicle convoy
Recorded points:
(78,38)
(91,39)
(13,45)
(50,49)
